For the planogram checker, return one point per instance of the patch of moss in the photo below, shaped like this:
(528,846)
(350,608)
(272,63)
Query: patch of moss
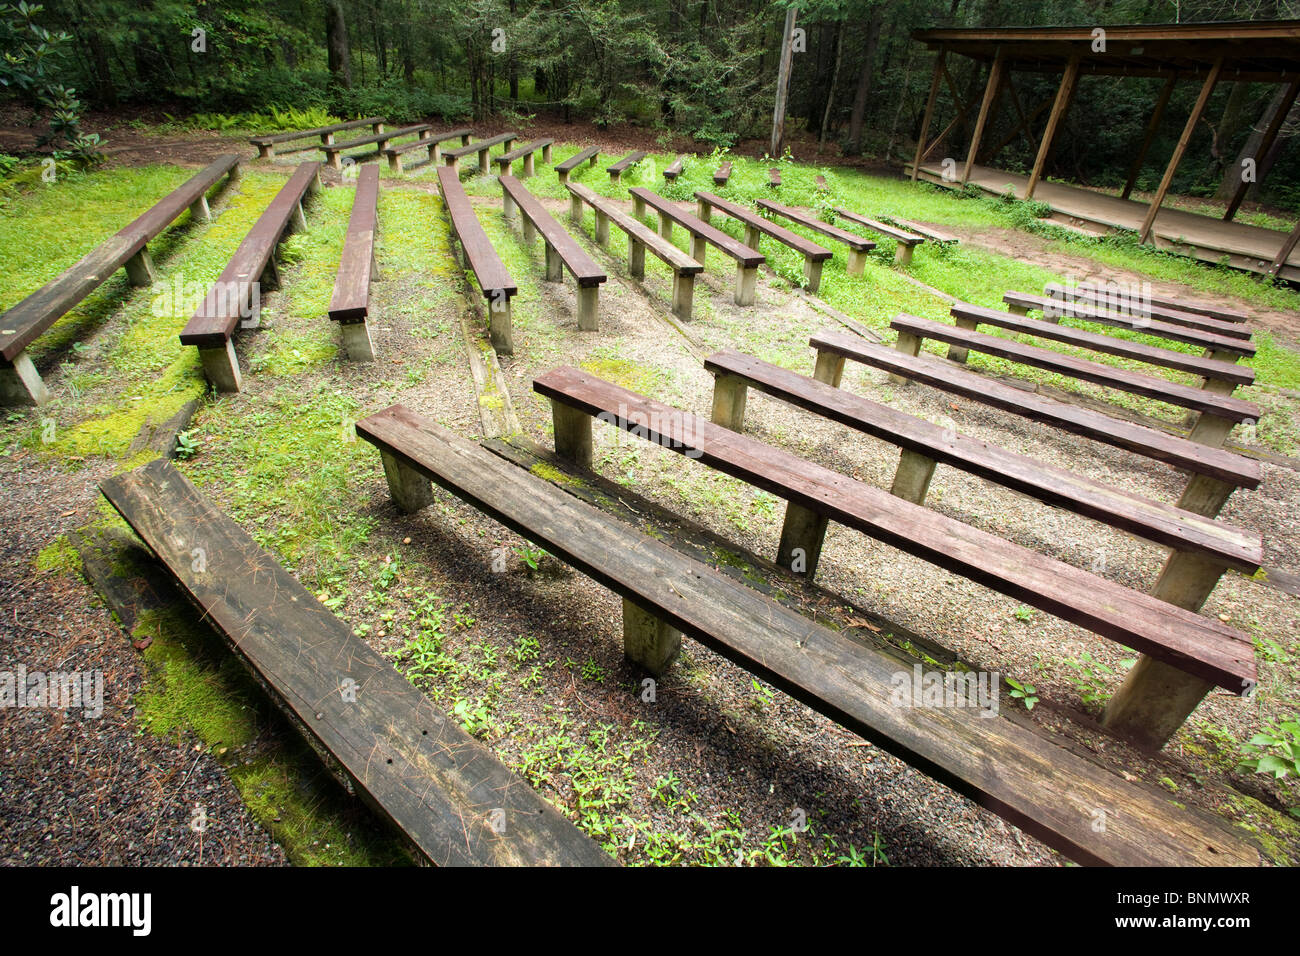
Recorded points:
(1276,834)
(554,475)
(620,371)
(59,556)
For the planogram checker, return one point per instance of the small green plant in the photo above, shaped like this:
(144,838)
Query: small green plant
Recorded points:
(593,672)
(1275,751)
(527,649)
(763,697)
(186,446)
(531,555)
(1093,676)
(1024,614)
(1027,693)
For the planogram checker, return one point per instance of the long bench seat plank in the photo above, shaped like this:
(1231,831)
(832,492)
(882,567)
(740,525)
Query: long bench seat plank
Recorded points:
(1200,459)
(586,272)
(519,152)
(350,301)
(931,233)
(25,321)
(1153,520)
(1185,396)
(483,258)
(577,159)
(217,315)
(806,247)
(1109,345)
(480,146)
(631,159)
(438,785)
(809,221)
(733,247)
(1197,645)
(1233,345)
(722,174)
(376,138)
(893,232)
(1002,766)
(262,141)
(1087,302)
(681,263)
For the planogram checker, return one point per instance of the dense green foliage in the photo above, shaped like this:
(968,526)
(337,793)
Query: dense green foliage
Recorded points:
(702,68)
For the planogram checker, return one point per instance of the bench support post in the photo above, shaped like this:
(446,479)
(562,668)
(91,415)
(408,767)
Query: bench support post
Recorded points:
(140,269)
(395,162)
(812,271)
(635,258)
(602,229)
(903,254)
(908,344)
(483,155)
(1188,580)
(802,536)
(698,249)
(752,236)
(683,295)
(1153,702)
(857,262)
(912,479)
(958,353)
(411,491)
(729,394)
(265,151)
(499,333)
(20,383)
(575,208)
(573,441)
(1211,430)
(649,642)
(554,264)
(665,227)
(746,284)
(638,207)
(298,218)
(1205,495)
(199,211)
(546,155)
(356,341)
(588,296)
(529,168)
(221,366)
(530,232)
(508,206)
(563,174)
(703,211)
(829,368)
(1022,311)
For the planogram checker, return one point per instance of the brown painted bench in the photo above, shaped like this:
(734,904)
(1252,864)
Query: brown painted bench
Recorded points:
(722,174)
(432,143)
(266,144)
(639,239)
(1136,311)
(814,256)
(1215,473)
(525,153)
(703,235)
(477,255)
(774,178)
(617,170)
(1178,311)
(237,294)
(999,763)
(447,794)
(588,155)
(905,241)
(24,322)
(350,303)
(380,140)
(483,147)
(1185,651)
(1217,413)
(858,246)
(1222,377)
(562,252)
(674,169)
(929,232)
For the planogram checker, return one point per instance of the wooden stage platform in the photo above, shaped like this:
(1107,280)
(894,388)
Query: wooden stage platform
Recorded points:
(1251,248)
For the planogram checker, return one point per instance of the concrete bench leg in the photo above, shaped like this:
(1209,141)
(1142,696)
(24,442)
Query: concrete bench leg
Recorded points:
(912,479)
(435,154)
(563,174)
(265,152)
(483,160)
(377,127)
(394,162)
(503,169)
(602,229)
(1211,430)
(298,218)
(199,210)
(575,209)
(802,536)
(698,248)
(1022,311)
(649,642)
(829,368)
(554,264)
(635,258)
(20,383)
(411,491)
(665,227)
(683,295)
(729,394)
(572,433)
(638,207)
(499,332)
(454,163)
(269,280)
(812,271)
(857,263)
(140,269)
(751,236)
(1153,702)
(546,154)
(588,297)
(356,341)
(703,211)
(221,367)
(327,139)
(1188,580)
(903,254)
(614,175)
(508,206)
(1205,495)
(958,353)
(529,168)
(908,344)
(746,284)
(464,139)
(332,159)
(530,231)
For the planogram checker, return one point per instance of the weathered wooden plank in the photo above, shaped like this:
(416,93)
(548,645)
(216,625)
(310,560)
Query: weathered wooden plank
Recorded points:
(1008,769)
(576,160)
(493,278)
(680,262)
(1098,301)
(714,236)
(318,131)
(444,790)
(809,221)
(806,247)
(350,301)
(584,269)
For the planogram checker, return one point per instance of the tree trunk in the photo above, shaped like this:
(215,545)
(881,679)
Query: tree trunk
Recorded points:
(336,42)
(835,78)
(1250,149)
(864,82)
(1279,144)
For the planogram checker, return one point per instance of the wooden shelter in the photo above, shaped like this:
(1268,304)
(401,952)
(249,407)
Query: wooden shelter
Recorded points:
(1201,53)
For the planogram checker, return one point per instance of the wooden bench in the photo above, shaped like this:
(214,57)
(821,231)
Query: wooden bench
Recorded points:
(1185,654)
(433,143)
(525,153)
(1215,473)
(1220,376)
(1075,300)
(588,155)
(1171,310)
(702,236)
(350,303)
(483,147)
(380,140)
(722,174)
(674,169)
(24,322)
(617,170)
(561,250)
(858,246)
(266,144)
(999,763)
(929,232)
(639,239)
(814,256)
(905,241)
(1201,548)
(477,255)
(446,793)
(1218,413)
(774,178)
(237,294)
